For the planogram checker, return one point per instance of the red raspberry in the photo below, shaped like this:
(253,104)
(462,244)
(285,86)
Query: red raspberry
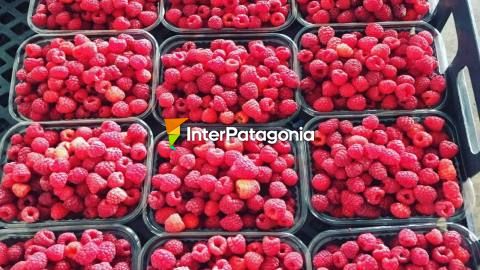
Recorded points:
(231,223)
(447,149)
(236,244)
(44,238)
(174,223)
(161,258)
(400,210)
(174,246)
(293,261)
(253,260)
(419,256)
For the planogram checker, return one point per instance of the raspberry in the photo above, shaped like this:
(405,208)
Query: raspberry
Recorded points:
(217,245)
(244,168)
(253,260)
(447,149)
(275,208)
(174,223)
(323,259)
(350,249)
(55,252)
(162,258)
(434,123)
(247,188)
(271,246)
(116,196)
(231,223)
(174,246)
(44,238)
(37,261)
(86,254)
(419,256)
(407,179)
(293,260)
(400,210)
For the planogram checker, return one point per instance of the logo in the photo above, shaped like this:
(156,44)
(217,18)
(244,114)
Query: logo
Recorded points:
(173,129)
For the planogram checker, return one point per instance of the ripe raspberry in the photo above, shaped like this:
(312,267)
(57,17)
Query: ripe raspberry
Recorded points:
(275,208)
(37,261)
(447,149)
(231,223)
(174,246)
(253,260)
(293,261)
(400,210)
(162,258)
(236,244)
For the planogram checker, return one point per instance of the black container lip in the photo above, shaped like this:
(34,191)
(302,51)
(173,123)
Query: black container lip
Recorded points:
(438,46)
(279,39)
(300,215)
(470,239)
(388,220)
(152,244)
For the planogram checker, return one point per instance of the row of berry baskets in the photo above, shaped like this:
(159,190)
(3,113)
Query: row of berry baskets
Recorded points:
(94,172)
(359,170)
(218,16)
(389,67)
(447,245)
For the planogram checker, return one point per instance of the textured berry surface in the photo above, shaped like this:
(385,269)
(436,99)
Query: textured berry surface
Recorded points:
(227,82)
(403,250)
(228,186)
(232,252)
(85,77)
(388,168)
(89,249)
(95,15)
(85,173)
(348,11)
(374,69)
(221,15)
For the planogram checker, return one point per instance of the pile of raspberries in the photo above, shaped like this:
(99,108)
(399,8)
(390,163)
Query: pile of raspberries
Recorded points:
(82,173)
(85,78)
(377,69)
(221,14)
(372,169)
(406,250)
(92,249)
(95,14)
(228,185)
(234,252)
(347,11)
(228,82)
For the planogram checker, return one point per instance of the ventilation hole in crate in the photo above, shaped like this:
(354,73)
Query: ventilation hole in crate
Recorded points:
(7,74)
(4,100)
(3,39)
(6,18)
(2,62)
(23,7)
(20,28)
(450,39)
(12,50)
